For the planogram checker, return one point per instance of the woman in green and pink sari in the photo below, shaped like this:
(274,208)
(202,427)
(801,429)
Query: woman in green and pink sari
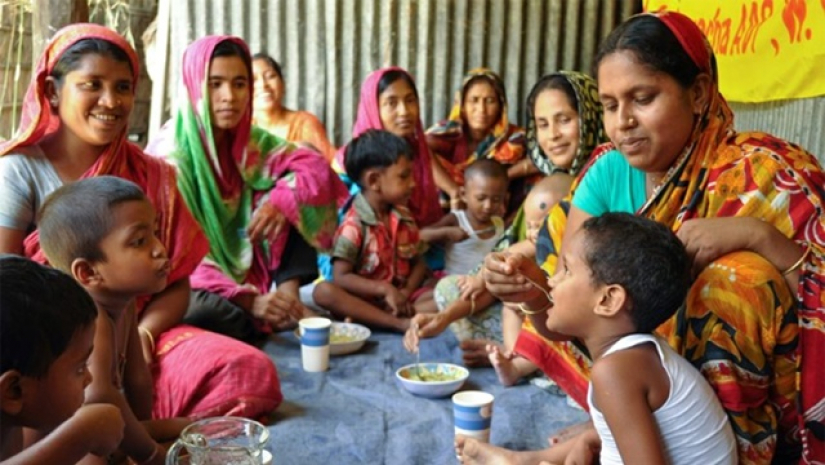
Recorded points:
(264,204)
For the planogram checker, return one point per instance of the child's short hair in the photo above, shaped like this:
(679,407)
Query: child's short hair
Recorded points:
(645,258)
(41,309)
(487,168)
(374,149)
(76,217)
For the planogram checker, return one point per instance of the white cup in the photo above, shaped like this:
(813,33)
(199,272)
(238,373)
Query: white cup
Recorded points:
(315,343)
(473,414)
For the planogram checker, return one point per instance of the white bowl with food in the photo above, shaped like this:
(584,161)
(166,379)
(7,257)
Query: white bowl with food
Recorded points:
(432,379)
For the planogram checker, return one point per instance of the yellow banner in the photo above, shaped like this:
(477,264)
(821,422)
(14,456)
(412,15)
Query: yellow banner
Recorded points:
(765,49)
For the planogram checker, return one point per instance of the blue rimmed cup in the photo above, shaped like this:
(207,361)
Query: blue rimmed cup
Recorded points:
(315,343)
(473,414)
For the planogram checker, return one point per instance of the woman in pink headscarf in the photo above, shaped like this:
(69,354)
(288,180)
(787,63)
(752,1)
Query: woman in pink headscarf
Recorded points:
(389,101)
(265,204)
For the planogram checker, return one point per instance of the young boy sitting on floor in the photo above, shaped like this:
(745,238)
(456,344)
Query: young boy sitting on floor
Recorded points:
(47,325)
(376,257)
(619,277)
(101,230)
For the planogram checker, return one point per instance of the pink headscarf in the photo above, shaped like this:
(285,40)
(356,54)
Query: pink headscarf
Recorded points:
(196,61)
(424,203)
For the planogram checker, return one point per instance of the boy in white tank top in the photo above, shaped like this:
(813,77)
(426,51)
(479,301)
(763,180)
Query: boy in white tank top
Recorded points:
(618,278)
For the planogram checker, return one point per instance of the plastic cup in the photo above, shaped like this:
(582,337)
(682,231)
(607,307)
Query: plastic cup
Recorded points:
(473,414)
(315,343)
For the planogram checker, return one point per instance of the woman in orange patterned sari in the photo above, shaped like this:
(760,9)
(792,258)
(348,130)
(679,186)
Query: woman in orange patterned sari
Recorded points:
(749,208)
(299,126)
(477,128)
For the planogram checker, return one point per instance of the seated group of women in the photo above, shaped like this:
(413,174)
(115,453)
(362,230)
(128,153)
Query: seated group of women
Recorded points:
(247,209)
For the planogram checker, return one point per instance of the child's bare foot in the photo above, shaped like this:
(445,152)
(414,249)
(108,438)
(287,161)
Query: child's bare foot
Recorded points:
(506,370)
(474,452)
(475,352)
(568,433)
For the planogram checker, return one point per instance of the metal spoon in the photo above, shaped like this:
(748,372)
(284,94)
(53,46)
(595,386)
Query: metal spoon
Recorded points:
(417,353)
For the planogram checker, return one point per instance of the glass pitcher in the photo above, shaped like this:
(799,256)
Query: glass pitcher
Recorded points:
(222,441)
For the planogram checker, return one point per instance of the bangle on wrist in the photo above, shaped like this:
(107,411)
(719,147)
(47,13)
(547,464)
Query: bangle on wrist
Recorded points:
(526,311)
(148,334)
(798,264)
(472,306)
(529,311)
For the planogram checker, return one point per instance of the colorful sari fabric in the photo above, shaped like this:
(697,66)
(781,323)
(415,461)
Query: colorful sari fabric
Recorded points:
(591,130)
(304,127)
(199,374)
(222,190)
(448,141)
(219,382)
(760,344)
(423,204)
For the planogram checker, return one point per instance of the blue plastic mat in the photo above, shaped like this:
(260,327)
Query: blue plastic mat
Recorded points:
(358,413)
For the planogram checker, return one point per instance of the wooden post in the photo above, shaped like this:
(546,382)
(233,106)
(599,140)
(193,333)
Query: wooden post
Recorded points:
(48,16)
(160,52)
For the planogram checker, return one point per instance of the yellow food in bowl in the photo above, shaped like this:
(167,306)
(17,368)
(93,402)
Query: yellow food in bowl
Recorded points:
(427,376)
(338,338)
(424,375)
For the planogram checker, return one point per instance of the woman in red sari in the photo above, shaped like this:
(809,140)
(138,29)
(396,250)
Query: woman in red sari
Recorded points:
(73,126)
(748,207)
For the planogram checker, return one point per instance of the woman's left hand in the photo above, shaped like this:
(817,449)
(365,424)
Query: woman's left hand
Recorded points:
(266,223)
(707,239)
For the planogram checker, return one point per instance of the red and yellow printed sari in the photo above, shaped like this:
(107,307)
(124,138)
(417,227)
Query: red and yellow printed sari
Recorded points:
(760,344)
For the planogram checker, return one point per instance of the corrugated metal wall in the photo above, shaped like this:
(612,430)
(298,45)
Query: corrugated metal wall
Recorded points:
(799,121)
(327,47)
